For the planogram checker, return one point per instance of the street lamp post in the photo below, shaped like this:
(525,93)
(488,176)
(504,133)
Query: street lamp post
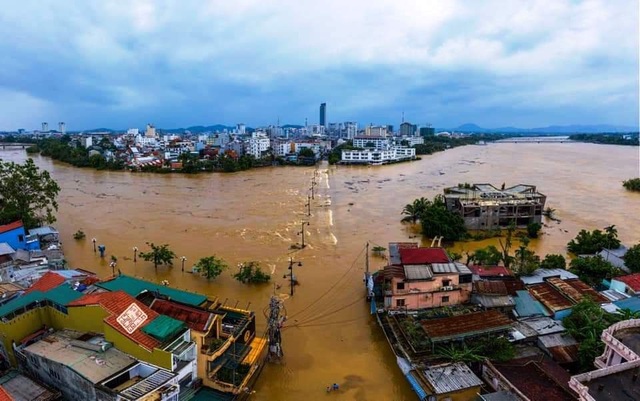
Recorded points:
(304,223)
(94,244)
(313,184)
(308,205)
(113,265)
(183,259)
(291,279)
(135,254)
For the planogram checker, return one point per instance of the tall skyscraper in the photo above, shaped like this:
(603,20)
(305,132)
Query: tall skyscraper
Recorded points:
(323,114)
(45,127)
(62,127)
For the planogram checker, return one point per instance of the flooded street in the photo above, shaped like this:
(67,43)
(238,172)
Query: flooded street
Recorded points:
(257,215)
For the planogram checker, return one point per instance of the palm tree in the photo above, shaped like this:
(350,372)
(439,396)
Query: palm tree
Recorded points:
(416,209)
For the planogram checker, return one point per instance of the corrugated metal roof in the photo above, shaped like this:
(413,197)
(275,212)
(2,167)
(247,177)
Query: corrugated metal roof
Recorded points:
(419,256)
(417,272)
(469,324)
(490,287)
(550,297)
(631,280)
(614,295)
(499,396)
(493,301)
(163,328)
(196,319)
(43,231)
(490,271)
(11,226)
(134,287)
(6,249)
(451,377)
(632,303)
(4,396)
(539,275)
(562,347)
(392,271)
(543,325)
(61,295)
(576,290)
(441,268)
(394,250)
(526,305)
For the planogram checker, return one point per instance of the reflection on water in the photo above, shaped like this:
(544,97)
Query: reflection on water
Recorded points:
(257,215)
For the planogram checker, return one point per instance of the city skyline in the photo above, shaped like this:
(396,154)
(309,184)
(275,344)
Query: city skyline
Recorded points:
(492,63)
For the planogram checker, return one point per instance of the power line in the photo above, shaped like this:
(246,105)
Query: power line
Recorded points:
(326,314)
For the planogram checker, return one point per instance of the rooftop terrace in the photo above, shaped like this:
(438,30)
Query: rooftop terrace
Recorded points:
(630,337)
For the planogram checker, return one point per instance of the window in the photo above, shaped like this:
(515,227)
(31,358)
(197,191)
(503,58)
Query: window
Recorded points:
(399,302)
(445,299)
(20,237)
(446,283)
(400,286)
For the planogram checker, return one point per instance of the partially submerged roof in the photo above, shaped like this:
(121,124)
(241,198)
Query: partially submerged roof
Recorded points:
(631,280)
(451,377)
(134,286)
(65,347)
(421,256)
(196,319)
(466,325)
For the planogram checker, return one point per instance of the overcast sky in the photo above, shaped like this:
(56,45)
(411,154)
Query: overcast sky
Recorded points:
(122,64)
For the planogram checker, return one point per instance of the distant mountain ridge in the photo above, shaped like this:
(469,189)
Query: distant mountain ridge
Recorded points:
(551,129)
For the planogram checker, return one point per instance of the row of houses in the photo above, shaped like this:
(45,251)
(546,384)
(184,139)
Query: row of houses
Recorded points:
(426,303)
(127,339)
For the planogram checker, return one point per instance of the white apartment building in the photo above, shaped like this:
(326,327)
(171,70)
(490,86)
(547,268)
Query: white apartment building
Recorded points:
(378,156)
(413,140)
(150,131)
(257,144)
(284,148)
(377,142)
(133,131)
(351,129)
(144,141)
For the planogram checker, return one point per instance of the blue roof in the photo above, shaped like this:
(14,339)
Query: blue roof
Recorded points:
(134,286)
(526,305)
(632,303)
(415,385)
(61,295)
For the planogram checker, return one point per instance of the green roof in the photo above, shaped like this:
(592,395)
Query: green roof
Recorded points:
(163,328)
(134,286)
(62,295)
(207,394)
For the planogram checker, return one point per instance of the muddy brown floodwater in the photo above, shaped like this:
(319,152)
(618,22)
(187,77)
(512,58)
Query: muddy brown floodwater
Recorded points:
(256,215)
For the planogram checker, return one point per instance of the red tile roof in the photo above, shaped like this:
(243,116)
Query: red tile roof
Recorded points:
(423,256)
(11,226)
(48,281)
(468,324)
(115,303)
(538,378)
(196,319)
(490,271)
(631,280)
(4,396)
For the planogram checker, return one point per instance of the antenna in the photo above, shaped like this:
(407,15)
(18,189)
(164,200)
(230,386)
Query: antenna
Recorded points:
(403,116)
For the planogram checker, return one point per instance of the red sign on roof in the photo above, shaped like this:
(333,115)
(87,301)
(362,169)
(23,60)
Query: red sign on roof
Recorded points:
(11,226)
(423,256)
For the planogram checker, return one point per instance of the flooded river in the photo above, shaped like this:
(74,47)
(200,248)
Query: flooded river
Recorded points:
(257,215)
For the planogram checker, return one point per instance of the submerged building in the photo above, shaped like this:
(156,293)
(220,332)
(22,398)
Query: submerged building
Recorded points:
(485,207)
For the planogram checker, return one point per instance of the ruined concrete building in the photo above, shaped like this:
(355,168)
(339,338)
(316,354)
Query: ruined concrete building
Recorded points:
(485,207)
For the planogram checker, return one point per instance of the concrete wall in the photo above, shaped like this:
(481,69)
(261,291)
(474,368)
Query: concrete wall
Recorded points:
(425,294)
(73,386)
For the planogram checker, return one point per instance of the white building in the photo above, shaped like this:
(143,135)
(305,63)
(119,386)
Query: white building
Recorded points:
(376,131)
(62,127)
(378,156)
(241,129)
(284,148)
(133,131)
(257,144)
(150,131)
(377,142)
(87,141)
(413,140)
(351,129)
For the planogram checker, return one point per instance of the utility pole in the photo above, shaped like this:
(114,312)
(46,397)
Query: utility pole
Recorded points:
(308,205)
(135,254)
(183,259)
(291,276)
(94,244)
(276,319)
(313,184)
(304,223)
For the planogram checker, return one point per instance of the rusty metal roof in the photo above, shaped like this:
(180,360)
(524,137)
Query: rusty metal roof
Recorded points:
(576,290)
(550,297)
(490,287)
(466,325)
(392,271)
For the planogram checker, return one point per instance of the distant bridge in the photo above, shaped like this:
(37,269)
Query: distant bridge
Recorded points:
(15,145)
(537,139)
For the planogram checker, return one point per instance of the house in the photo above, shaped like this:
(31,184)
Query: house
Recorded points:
(559,296)
(451,382)
(15,236)
(485,207)
(85,366)
(535,378)
(492,295)
(618,366)
(539,275)
(490,272)
(615,257)
(424,278)
(629,284)
(15,386)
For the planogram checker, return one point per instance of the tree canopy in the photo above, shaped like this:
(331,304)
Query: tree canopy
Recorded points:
(27,194)
(591,242)
(632,258)
(251,272)
(435,218)
(159,255)
(487,256)
(210,266)
(592,270)
(632,184)
(553,261)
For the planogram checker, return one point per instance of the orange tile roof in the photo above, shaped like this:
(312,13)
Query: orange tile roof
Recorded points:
(48,281)
(4,396)
(11,226)
(196,319)
(115,303)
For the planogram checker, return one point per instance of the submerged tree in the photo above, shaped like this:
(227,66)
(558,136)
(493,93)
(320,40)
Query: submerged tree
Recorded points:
(159,255)
(591,242)
(27,194)
(210,266)
(251,272)
(487,256)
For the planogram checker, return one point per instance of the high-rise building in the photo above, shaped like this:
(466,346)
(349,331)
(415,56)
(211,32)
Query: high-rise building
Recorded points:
(62,127)
(241,129)
(150,132)
(323,114)
(427,131)
(45,127)
(407,129)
